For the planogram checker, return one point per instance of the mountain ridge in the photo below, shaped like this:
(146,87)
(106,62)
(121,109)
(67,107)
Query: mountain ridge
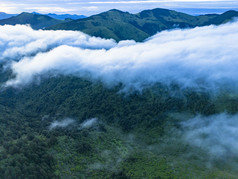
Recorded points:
(62,16)
(121,25)
(4,15)
(36,21)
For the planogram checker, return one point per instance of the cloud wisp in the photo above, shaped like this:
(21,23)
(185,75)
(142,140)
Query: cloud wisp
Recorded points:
(88,123)
(202,57)
(216,134)
(61,124)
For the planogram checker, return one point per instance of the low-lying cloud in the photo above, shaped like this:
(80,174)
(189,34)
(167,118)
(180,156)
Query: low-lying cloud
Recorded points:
(88,123)
(21,41)
(201,57)
(216,134)
(61,124)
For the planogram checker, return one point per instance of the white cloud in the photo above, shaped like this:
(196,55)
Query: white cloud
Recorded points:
(54,9)
(61,124)
(21,41)
(204,57)
(85,7)
(88,123)
(149,1)
(217,134)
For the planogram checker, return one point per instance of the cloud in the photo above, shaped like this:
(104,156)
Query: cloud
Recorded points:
(68,121)
(8,8)
(150,1)
(216,134)
(123,2)
(55,9)
(90,8)
(88,123)
(61,124)
(21,41)
(81,7)
(204,57)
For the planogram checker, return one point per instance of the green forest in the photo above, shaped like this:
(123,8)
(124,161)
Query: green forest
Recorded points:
(62,121)
(135,134)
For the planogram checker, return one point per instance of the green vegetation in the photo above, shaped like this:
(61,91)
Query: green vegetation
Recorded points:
(136,134)
(36,21)
(120,25)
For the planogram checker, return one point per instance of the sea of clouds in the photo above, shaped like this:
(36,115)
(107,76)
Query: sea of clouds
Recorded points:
(201,57)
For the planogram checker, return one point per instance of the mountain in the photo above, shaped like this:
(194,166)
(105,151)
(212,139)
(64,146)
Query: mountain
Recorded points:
(223,18)
(123,25)
(4,15)
(62,16)
(35,20)
(65,16)
(112,24)
(77,126)
(120,25)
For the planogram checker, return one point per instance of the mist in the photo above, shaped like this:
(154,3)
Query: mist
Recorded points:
(203,57)
(62,123)
(216,134)
(88,123)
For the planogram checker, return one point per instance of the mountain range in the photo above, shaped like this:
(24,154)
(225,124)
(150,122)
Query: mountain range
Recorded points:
(121,25)
(35,20)
(63,16)
(4,15)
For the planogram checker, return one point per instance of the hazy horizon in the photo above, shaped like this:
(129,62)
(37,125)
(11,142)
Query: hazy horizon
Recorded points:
(191,11)
(88,8)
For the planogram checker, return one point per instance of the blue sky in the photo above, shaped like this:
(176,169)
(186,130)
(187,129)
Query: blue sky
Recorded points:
(89,7)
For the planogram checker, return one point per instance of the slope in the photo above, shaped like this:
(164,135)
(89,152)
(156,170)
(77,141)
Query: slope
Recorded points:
(123,25)
(35,20)
(112,24)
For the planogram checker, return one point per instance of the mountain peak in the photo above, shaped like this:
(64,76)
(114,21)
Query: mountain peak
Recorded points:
(115,10)
(25,13)
(230,12)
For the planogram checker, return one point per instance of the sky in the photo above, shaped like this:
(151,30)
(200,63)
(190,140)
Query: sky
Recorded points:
(90,7)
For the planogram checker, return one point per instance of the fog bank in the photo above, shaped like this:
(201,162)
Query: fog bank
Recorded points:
(203,57)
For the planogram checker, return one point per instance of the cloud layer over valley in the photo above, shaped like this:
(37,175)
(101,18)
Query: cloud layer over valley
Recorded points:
(204,56)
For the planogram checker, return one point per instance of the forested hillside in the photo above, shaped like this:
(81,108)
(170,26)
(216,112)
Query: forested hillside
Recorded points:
(125,135)
(78,106)
(36,21)
(120,25)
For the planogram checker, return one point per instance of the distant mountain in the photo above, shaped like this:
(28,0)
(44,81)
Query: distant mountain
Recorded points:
(4,15)
(66,16)
(62,16)
(123,25)
(35,20)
